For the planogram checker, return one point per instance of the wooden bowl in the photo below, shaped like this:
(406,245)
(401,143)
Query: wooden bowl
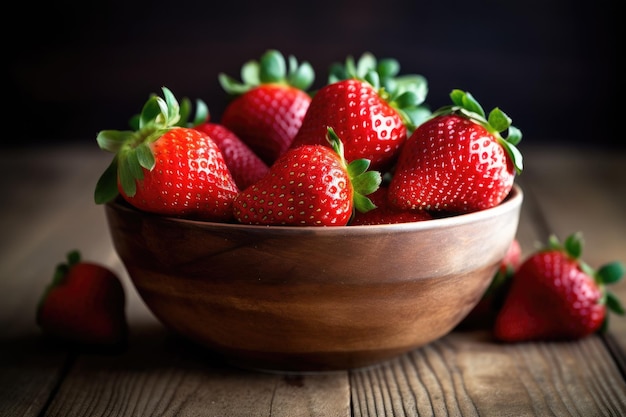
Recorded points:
(300,299)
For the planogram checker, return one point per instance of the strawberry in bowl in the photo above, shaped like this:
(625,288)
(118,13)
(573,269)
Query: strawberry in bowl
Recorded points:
(167,169)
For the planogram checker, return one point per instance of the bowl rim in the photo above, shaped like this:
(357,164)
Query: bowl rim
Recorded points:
(511,202)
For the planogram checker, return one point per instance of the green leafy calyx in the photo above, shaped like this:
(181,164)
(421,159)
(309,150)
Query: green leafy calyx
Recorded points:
(132,147)
(405,93)
(272,68)
(363,182)
(60,272)
(496,122)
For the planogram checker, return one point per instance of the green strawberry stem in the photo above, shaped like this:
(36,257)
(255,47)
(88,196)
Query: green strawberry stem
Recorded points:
(607,274)
(405,93)
(496,122)
(364,182)
(271,68)
(201,114)
(60,272)
(131,147)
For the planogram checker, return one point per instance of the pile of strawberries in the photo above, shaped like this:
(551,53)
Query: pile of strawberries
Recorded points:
(363,149)
(284,155)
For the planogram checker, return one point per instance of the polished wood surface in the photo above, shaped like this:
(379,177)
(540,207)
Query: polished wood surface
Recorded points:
(47,209)
(312,299)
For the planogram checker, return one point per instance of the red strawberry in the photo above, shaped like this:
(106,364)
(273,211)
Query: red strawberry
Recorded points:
(554,295)
(167,169)
(84,304)
(368,107)
(245,166)
(457,161)
(268,107)
(309,186)
(386,214)
(512,259)
(484,314)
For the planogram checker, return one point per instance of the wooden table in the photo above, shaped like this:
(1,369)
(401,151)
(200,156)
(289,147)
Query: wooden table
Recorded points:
(47,209)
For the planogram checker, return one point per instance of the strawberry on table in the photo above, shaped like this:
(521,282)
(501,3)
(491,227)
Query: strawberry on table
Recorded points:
(554,295)
(311,185)
(84,304)
(385,213)
(369,106)
(457,161)
(267,107)
(167,169)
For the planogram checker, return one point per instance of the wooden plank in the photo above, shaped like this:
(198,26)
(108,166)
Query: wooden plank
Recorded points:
(473,376)
(163,375)
(463,373)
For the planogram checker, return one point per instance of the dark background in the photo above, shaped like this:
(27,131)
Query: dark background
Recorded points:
(76,69)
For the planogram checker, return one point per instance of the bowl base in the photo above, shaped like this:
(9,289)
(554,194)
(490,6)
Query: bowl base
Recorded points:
(308,363)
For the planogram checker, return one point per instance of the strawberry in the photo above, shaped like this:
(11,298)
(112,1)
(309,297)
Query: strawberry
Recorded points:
(244,165)
(84,304)
(484,313)
(267,108)
(370,108)
(167,169)
(386,214)
(554,295)
(309,186)
(457,161)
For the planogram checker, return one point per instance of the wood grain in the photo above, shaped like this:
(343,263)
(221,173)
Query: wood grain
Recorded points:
(474,376)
